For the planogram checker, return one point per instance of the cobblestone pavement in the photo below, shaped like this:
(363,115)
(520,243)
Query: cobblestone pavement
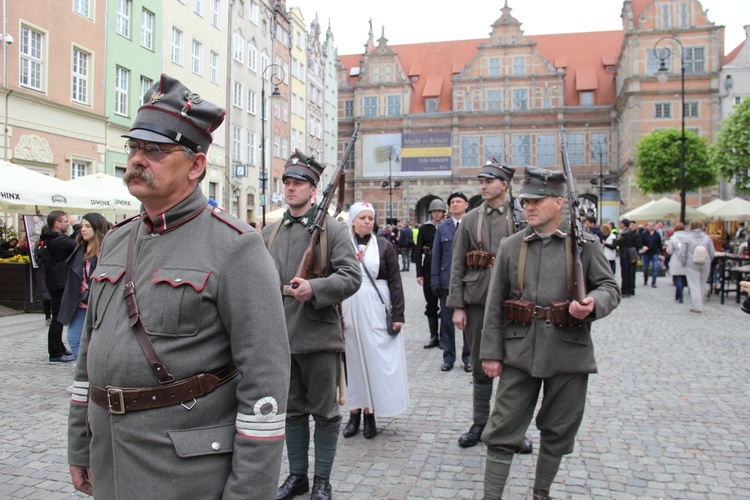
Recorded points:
(667,416)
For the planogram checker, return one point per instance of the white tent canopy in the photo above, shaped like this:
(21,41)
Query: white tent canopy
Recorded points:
(117,198)
(734,209)
(711,206)
(24,191)
(663,208)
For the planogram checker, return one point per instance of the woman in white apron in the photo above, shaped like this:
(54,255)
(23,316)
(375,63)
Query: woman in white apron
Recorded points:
(376,360)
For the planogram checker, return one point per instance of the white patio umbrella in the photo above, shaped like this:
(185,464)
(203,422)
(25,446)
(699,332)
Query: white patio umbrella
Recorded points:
(734,209)
(115,195)
(663,208)
(24,191)
(711,206)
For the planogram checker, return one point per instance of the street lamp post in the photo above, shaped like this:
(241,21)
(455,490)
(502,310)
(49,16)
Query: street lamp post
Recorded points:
(600,152)
(392,156)
(662,75)
(275,80)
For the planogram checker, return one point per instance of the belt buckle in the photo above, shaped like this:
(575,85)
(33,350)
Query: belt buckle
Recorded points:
(117,392)
(542,313)
(286,291)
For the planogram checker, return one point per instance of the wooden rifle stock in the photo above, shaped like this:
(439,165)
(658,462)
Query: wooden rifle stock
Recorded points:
(576,227)
(308,266)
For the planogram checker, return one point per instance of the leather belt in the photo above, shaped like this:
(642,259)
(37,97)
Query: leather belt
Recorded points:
(427,250)
(118,400)
(543,313)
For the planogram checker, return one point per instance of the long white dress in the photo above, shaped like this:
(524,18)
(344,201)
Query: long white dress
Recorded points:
(376,362)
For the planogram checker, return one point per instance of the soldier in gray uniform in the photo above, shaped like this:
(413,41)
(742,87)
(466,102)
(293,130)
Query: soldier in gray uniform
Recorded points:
(474,251)
(182,379)
(535,335)
(313,324)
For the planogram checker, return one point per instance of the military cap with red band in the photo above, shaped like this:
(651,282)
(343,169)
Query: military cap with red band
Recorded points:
(172,114)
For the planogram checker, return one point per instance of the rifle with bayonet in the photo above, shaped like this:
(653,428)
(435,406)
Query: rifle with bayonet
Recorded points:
(576,224)
(513,203)
(308,266)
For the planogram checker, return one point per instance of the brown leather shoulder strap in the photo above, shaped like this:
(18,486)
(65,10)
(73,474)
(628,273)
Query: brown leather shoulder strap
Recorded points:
(522,266)
(128,293)
(480,220)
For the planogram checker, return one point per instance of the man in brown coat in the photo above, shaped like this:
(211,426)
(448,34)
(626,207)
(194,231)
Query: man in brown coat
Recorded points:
(528,347)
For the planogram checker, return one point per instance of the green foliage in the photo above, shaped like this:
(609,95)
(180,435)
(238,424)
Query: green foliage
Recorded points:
(7,232)
(658,162)
(731,152)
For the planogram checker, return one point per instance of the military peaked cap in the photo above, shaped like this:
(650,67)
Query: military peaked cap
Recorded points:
(303,167)
(172,114)
(540,182)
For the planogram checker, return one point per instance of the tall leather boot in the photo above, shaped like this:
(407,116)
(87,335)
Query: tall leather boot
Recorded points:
(353,426)
(434,341)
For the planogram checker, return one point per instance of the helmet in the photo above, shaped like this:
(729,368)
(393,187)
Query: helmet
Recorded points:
(438,204)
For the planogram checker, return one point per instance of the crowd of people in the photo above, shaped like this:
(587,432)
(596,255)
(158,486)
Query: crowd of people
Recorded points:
(195,358)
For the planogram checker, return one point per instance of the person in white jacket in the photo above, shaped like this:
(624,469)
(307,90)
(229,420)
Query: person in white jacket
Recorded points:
(697,273)
(677,269)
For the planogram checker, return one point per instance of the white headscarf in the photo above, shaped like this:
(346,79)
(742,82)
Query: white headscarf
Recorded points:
(355,209)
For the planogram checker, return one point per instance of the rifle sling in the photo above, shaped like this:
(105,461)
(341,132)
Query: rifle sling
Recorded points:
(323,242)
(128,293)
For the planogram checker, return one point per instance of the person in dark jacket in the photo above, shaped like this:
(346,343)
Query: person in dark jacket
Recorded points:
(81,265)
(57,247)
(405,244)
(626,240)
(423,262)
(650,252)
(42,294)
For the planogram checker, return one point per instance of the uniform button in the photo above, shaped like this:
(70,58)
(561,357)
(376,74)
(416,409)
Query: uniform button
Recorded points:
(217,210)
(216,446)
(178,280)
(102,275)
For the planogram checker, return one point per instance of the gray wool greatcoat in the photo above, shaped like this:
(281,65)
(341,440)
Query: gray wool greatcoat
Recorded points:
(315,326)
(205,288)
(539,350)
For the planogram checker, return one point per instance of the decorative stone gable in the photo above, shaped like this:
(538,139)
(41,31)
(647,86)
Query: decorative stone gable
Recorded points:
(31,147)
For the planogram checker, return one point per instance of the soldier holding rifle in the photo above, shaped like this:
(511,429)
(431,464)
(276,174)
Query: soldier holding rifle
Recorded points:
(315,279)
(549,284)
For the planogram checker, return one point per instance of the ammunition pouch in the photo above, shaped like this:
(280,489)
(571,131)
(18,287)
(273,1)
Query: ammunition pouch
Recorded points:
(525,311)
(479,259)
(518,310)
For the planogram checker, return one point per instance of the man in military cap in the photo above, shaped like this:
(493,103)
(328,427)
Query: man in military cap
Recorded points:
(474,251)
(535,335)
(423,262)
(442,255)
(178,309)
(313,324)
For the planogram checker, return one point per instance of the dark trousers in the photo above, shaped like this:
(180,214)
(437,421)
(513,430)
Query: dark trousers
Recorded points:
(432,309)
(54,335)
(680,282)
(448,334)
(405,257)
(627,273)
(613,266)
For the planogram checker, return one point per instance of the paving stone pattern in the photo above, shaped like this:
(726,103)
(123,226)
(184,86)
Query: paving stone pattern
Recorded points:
(667,416)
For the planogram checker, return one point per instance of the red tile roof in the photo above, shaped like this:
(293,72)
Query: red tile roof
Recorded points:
(730,57)
(583,55)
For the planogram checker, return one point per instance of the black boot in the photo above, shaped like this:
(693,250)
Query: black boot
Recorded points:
(471,438)
(294,485)
(353,426)
(321,489)
(433,342)
(369,430)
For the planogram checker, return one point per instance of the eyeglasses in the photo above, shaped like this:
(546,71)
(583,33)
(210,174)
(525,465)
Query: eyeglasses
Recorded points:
(151,150)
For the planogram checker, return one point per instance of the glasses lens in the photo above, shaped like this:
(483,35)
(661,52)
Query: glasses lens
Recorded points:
(131,148)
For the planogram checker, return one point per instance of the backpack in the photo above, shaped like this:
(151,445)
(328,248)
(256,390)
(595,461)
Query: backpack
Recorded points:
(700,254)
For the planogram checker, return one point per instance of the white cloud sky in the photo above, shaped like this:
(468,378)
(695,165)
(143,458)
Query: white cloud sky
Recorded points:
(413,21)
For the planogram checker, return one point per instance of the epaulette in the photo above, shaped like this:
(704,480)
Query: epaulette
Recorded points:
(590,237)
(129,219)
(226,218)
